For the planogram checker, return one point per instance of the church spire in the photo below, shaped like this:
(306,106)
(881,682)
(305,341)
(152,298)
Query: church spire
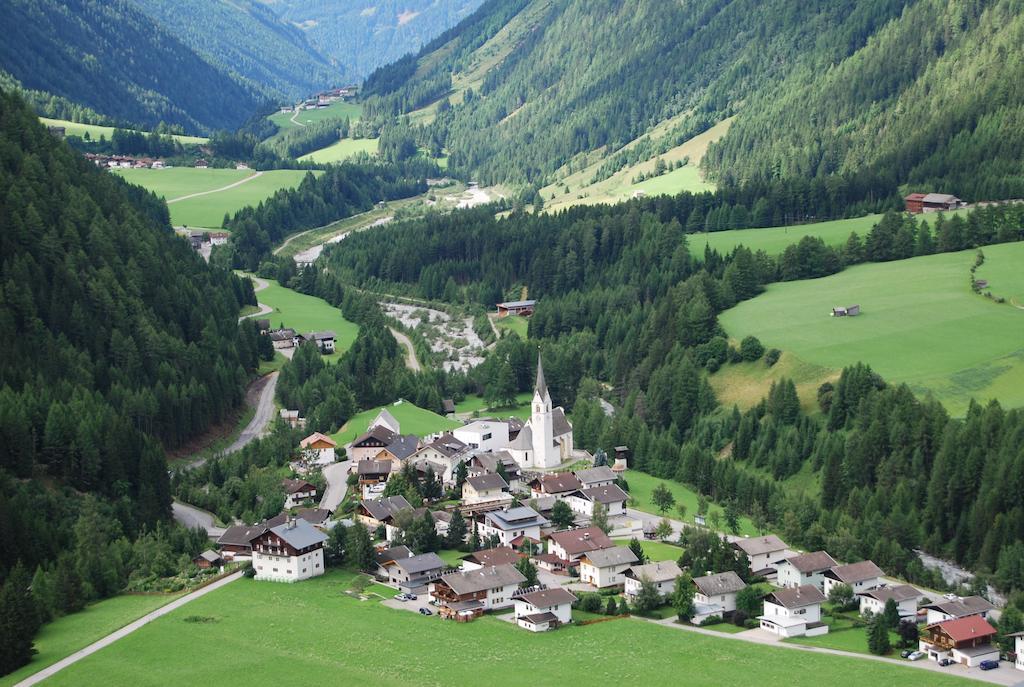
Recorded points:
(541,387)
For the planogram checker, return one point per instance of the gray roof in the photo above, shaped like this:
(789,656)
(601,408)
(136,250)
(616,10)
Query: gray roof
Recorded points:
(559,483)
(386,507)
(523,440)
(319,336)
(940,198)
(517,304)
(806,595)
(756,546)
(487,481)
(719,583)
(617,555)
(517,517)
(581,540)
(593,475)
(855,572)
(541,386)
(901,592)
(421,563)
(404,446)
(385,416)
(294,486)
(210,555)
(819,561)
(393,554)
(374,467)
(501,555)
(965,606)
(447,445)
(240,535)
(609,493)
(559,423)
(299,534)
(655,572)
(472,581)
(378,432)
(546,598)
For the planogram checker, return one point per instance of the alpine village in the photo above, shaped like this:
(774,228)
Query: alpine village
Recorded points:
(515,342)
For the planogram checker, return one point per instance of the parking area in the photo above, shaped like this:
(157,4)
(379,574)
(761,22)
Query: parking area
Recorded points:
(413,605)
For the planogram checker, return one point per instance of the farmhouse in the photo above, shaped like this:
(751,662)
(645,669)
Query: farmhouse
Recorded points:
(805,569)
(373,475)
(288,553)
(501,555)
(904,596)
(486,488)
(220,238)
(512,526)
(794,612)
(282,338)
(376,512)
(296,491)
(716,595)
(477,590)
(559,485)
(604,568)
(959,607)
(762,552)
(610,496)
(521,308)
(368,445)
(415,571)
(662,575)
(859,576)
(545,441)
(570,545)
(443,454)
(323,340)
(964,640)
(318,448)
(385,557)
(237,540)
(399,450)
(602,476)
(544,609)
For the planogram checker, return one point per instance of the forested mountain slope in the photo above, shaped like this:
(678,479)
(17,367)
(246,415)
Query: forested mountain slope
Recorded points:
(247,38)
(887,87)
(119,340)
(111,57)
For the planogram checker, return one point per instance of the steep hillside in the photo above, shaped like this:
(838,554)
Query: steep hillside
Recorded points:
(111,57)
(246,38)
(361,35)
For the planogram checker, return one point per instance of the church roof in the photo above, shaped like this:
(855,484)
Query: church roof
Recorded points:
(559,423)
(523,440)
(541,387)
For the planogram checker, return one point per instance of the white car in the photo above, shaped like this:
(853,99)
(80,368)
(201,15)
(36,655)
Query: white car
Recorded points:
(401,597)
(916,656)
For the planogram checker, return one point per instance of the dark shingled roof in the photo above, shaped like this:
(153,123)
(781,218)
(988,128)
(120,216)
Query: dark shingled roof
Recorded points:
(380,509)
(760,545)
(559,483)
(241,535)
(968,605)
(421,563)
(812,562)
(472,581)
(374,467)
(720,583)
(380,433)
(799,597)
(582,540)
(486,481)
(855,572)
(501,555)
(546,598)
(901,592)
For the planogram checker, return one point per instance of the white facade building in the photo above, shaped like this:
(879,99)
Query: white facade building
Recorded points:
(662,575)
(544,609)
(716,595)
(860,577)
(512,525)
(611,496)
(906,597)
(484,435)
(763,552)
(545,441)
(288,553)
(808,568)
(605,567)
(794,612)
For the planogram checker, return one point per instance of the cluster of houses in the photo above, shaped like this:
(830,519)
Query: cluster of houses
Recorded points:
(214,238)
(285,338)
(323,99)
(124,161)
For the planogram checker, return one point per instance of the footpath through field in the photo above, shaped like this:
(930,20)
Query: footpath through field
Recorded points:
(125,631)
(217,190)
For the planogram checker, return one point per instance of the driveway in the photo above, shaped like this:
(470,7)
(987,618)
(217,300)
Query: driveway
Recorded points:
(336,475)
(193,517)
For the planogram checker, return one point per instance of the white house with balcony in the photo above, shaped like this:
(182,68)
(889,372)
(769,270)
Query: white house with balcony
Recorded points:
(288,553)
(794,612)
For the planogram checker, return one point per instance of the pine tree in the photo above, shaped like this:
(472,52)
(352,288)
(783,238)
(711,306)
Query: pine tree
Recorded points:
(456,536)
(562,516)
(890,615)
(599,519)
(878,637)
(682,598)
(529,571)
(359,548)
(638,550)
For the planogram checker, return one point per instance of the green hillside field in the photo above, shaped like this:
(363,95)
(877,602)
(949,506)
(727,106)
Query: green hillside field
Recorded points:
(307,314)
(338,110)
(261,633)
(412,418)
(342,150)
(95,131)
(920,324)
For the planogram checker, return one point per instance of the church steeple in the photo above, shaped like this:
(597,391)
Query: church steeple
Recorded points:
(541,387)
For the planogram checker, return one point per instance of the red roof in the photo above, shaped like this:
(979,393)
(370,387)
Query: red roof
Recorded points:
(916,196)
(963,629)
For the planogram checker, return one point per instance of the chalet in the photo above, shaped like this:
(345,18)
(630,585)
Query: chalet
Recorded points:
(621,460)
(1018,639)
(940,202)
(501,555)
(282,338)
(368,445)
(513,526)
(958,607)
(317,517)
(399,450)
(544,609)
(385,557)
(570,545)
(610,496)
(486,488)
(323,340)
(297,491)
(376,512)
(236,542)
(443,455)
(794,612)
(318,448)
(202,164)
(208,559)
(415,571)
(762,552)
(859,576)
(485,435)
(915,203)
(481,463)
(602,476)
(805,569)
(520,308)
(662,575)
(476,591)
(559,485)
(220,238)
(373,475)
(903,595)
(292,419)
(605,568)
(716,595)
(965,640)
(288,553)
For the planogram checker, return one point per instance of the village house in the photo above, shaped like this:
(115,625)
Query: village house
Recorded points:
(602,476)
(201,164)
(917,203)
(318,448)
(966,640)
(1018,639)
(220,238)
(716,595)
(292,419)
(368,445)
(485,488)
(297,491)
(485,435)
(385,419)
(415,571)
(794,612)
(513,526)
(544,609)
(282,339)
(860,576)
(471,592)
(317,517)
(400,450)
(610,496)
(559,485)
(501,555)
(288,553)
(208,559)
(570,545)
(517,308)
(903,595)
(604,568)
(662,574)
(545,441)
(376,512)
(442,522)
(480,463)
(236,542)
(443,454)
(958,607)
(762,552)
(324,341)
(804,569)
(385,557)
(373,476)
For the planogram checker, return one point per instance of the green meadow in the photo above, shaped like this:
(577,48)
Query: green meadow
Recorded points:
(338,110)
(475,404)
(307,314)
(261,633)
(641,485)
(686,178)
(412,418)
(519,325)
(342,150)
(920,324)
(175,182)
(95,131)
(656,551)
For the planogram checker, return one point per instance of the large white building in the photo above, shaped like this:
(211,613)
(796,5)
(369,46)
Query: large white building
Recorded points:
(288,553)
(545,441)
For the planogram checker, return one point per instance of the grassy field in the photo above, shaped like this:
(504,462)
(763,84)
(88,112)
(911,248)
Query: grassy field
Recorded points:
(259,633)
(641,485)
(656,550)
(746,384)
(95,131)
(844,636)
(175,182)
(519,325)
(343,150)
(920,324)
(475,404)
(268,366)
(412,418)
(1005,277)
(338,110)
(67,635)
(307,314)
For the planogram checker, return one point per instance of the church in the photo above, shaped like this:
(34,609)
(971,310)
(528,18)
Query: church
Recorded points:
(545,441)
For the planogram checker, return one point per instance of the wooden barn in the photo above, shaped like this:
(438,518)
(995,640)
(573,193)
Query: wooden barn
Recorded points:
(522,308)
(848,311)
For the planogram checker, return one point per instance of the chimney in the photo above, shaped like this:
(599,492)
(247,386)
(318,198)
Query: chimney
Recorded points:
(586,536)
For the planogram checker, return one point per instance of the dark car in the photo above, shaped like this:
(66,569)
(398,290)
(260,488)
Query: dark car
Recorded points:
(988,665)
(946,662)
(426,611)
(906,652)
(410,597)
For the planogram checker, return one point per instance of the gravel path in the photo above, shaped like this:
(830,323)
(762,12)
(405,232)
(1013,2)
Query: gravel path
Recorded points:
(193,517)
(216,190)
(257,427)
(410,353)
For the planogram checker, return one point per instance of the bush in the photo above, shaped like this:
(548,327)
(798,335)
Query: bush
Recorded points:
(751,349)
(772,357)
(734,356)
(739,619)
(590,603)
(711,620)
(752,623)
(250,571)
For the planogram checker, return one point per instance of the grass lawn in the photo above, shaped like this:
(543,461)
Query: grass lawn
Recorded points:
(381,590)
(746,384)
(95,131)
(337,110)
(641,485)
(253,640)
(519,325)
(725,628)
(656,550)
(268,366)
(920,324)
(209,211)
(67,635)
(452,557)
(175,182)
(844,636)
(307,314)
(1005,277)
(413,420)
(687,178)
(475,404)
(342,150)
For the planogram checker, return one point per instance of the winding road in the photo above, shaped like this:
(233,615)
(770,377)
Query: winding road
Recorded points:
(257,427)
(410,352)
(258,285)
(216,190)
(193,517)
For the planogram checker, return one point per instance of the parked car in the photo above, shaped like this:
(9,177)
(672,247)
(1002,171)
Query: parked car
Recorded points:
(411,597)
(401,597)
(916,656)
(906,653)
(988,665)
(946,662)
(426,611)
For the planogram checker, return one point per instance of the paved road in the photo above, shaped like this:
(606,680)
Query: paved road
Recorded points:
(193,517)
(216,190)
(125,631)
(257,427)
(410,352)
(677,525)
(258,285)
(336,475)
